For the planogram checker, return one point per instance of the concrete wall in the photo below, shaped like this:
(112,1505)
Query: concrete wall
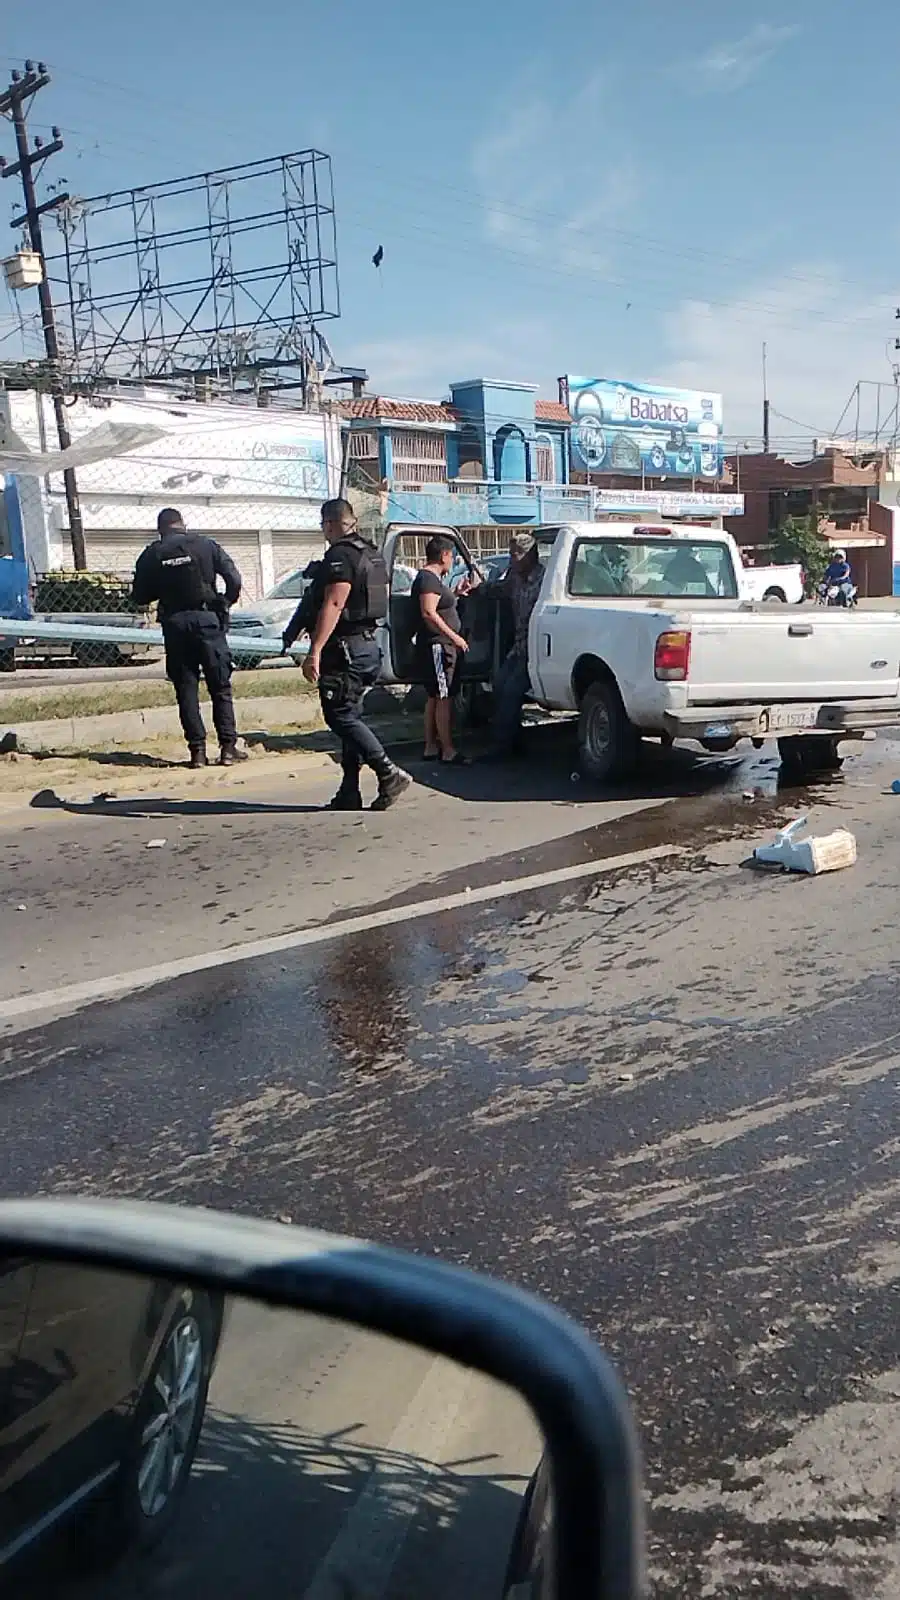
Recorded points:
(753,527)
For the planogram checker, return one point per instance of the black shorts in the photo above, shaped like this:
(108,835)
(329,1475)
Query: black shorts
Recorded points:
(439,663)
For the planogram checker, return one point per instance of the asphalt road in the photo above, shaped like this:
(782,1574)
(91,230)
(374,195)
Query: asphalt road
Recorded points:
(663,1094)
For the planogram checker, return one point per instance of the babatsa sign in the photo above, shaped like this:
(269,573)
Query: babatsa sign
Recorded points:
(643,430)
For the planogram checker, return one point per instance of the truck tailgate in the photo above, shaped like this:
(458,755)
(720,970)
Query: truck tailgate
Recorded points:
(799,653)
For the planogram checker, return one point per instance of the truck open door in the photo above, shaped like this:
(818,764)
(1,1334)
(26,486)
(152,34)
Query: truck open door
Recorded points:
(404,554)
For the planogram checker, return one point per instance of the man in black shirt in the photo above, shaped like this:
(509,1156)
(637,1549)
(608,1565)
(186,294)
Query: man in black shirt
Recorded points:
(439,647)
(179,571)
(349,599)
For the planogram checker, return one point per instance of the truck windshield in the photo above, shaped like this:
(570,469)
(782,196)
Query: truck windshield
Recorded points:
(673,568)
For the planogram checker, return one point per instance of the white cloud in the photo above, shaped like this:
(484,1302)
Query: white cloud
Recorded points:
(822,337)
(552,176)
(733,62)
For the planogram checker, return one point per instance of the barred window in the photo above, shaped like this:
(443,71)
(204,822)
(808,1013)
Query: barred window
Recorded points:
(544,460)
(419,457)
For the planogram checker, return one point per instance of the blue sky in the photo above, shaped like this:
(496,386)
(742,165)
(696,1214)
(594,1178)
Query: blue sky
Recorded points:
(645,191)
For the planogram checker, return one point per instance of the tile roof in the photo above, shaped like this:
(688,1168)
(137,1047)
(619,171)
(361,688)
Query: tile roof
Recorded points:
(377,406)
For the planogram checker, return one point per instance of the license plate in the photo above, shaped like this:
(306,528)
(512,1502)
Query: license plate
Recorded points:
(792,716)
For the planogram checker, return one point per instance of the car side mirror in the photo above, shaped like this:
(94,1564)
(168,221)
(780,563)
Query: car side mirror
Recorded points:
(252,1408)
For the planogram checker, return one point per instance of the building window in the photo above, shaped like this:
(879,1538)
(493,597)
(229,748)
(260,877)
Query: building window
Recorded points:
(509,455)
(362,446)
(543,459)
(419,457)
(468,450)
(364,465)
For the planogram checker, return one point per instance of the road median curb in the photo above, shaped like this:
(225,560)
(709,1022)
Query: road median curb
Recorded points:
(123,727)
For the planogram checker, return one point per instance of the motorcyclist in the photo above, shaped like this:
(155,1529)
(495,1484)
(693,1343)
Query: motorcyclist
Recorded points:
(838,576)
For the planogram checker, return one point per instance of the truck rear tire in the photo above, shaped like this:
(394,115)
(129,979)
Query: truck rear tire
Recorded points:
(608,741)
(808,753)
(776,594)
(8,659)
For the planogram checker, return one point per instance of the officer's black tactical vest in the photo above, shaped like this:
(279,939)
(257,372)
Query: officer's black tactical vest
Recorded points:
(182,586)
(367,602)
(368,599)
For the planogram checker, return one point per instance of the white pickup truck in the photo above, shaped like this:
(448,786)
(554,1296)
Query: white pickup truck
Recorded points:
(642,631)
(785,583)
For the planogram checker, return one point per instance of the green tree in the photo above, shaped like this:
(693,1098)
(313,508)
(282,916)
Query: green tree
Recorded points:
(800,539)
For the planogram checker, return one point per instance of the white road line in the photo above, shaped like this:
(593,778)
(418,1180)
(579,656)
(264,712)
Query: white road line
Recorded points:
(365,1552)
(73,995)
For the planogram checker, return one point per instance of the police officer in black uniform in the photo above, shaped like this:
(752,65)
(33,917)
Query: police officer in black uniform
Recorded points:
(179,570)
(347,598)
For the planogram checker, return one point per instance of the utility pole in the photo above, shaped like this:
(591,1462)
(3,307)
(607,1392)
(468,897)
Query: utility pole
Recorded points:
(765,402)
(13,102)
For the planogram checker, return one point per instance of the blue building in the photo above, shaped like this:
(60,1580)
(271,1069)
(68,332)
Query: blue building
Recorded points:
(491,456)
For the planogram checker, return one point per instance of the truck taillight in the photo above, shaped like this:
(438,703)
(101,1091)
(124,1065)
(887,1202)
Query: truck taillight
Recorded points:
(672,656)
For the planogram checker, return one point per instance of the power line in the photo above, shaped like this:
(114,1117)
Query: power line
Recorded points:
(427,183)
(445,241)
(743,311)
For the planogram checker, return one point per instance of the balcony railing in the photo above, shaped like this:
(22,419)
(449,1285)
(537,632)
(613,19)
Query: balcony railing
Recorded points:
(471,501)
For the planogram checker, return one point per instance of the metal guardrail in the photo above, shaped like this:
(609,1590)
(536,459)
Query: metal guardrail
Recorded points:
(243,643)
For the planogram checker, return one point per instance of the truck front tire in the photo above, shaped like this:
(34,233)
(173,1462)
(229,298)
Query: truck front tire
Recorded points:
(474,706)
(608,741)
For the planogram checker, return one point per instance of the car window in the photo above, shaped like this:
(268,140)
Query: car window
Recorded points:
(401,580)
(496,566)
(290,588)
(673,568)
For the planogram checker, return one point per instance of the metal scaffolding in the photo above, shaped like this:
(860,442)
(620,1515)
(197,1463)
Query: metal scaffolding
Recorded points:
(221,278)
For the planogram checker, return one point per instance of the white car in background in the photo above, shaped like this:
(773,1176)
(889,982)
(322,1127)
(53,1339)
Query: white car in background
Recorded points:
(270,616)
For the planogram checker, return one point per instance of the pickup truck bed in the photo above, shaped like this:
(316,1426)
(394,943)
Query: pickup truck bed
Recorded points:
(761,651)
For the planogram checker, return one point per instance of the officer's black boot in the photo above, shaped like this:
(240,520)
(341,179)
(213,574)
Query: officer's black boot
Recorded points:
(198,756)
(229,754)
(392,783)
(346,799)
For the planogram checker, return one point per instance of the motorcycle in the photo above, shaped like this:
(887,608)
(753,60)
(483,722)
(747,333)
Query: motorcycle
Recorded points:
(837,594)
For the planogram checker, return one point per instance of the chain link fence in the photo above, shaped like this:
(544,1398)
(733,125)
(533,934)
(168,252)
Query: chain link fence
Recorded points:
(239,479)
(253,484)
(100,597)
